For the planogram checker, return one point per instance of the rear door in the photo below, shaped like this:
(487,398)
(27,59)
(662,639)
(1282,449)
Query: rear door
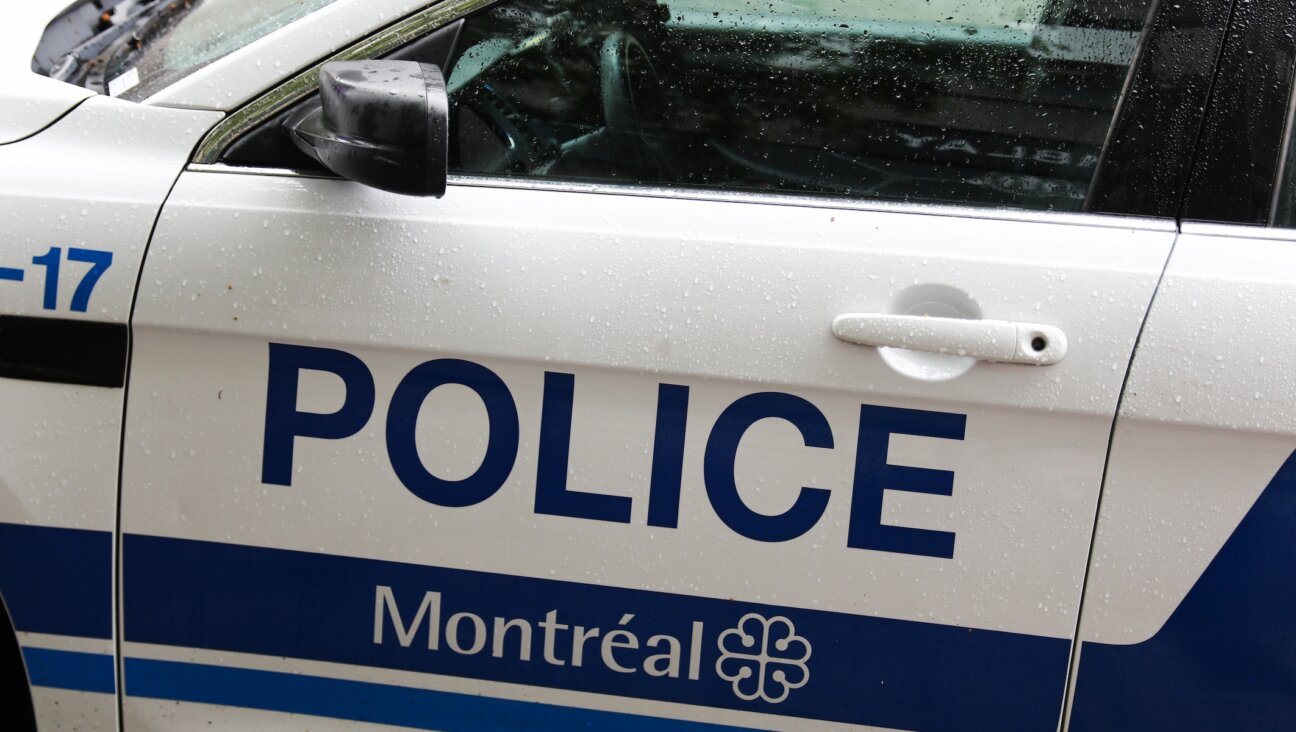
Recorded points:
(1188,611)
(1189,601)
(579,444)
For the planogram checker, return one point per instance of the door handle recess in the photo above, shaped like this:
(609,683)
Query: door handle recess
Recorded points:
(997,341)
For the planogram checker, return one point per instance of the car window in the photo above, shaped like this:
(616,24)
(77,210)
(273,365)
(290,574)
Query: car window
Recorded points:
(1284,202)
(999,102)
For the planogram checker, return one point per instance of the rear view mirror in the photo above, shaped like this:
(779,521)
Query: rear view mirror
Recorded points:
(381,123)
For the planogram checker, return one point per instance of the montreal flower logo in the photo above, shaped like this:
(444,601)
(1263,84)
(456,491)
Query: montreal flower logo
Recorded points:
(764,658)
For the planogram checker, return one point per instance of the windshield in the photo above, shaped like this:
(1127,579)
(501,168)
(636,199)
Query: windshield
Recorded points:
(210,30)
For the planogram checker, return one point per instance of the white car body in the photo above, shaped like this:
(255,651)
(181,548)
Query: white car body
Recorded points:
(663,438)
(29,102)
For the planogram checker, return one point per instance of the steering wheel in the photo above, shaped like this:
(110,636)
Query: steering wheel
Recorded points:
(522,147)
(632,91)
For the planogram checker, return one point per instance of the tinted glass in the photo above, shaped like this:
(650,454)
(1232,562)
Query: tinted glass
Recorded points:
(1284,204)
(993,102)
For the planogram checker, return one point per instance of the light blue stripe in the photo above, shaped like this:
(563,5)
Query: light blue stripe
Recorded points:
(71,670)
(377,703)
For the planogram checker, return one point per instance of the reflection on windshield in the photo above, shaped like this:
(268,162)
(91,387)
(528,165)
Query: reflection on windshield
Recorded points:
(211,30)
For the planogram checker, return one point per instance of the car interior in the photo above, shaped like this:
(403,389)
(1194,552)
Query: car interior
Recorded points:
(956,103)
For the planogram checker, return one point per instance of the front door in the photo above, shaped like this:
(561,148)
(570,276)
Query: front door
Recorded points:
(589,442)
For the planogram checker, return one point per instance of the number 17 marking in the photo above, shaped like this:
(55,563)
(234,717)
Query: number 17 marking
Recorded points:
(99,262)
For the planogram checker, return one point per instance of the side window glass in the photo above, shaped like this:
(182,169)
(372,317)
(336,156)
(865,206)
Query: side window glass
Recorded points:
(1284,208)
(986,102)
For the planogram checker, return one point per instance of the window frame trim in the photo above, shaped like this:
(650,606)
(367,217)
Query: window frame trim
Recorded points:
(303,84)
(1116,162)
(1150,153)
(1285,159)
(1239,157)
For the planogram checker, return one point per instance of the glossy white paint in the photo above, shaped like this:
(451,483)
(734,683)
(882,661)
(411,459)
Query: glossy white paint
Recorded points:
(28,102)
(626,292)
(74,711)
(1209,417)
(93,180)
(996,341)
(67,188)
(727,293)
(240,77)
(96,179)
(1204,428)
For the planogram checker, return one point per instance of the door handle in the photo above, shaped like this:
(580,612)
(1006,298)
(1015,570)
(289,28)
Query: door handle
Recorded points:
(997,341)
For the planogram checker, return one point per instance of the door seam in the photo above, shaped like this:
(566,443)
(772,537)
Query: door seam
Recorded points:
(119,601)
(1073,661)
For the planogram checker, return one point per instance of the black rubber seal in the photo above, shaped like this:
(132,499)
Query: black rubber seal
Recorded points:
(1237,161)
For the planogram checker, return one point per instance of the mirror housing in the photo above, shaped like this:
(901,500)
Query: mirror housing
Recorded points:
(385,124)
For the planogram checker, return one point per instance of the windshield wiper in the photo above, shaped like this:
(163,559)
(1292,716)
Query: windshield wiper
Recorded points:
(140,21)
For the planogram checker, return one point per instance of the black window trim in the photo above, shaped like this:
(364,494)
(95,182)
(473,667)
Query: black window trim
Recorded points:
(1148,159)
(1285,162)
(1239,157)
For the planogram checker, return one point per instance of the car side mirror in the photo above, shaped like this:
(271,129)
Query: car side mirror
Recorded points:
(385,124)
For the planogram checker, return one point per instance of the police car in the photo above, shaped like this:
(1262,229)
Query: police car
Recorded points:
(648,365)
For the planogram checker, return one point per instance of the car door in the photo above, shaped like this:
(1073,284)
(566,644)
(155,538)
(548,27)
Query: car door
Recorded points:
(593,439)
(1188,607)
(1189,600)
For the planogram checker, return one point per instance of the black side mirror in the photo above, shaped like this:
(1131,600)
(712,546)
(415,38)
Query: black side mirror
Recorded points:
(385,124)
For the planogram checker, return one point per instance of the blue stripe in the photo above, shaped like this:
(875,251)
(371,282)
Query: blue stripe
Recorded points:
(863,670)
(376,703)
(1226,658)
(13,275)
(71,670)
(57,581)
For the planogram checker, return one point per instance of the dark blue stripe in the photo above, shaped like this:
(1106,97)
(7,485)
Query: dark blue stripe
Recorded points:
(376,703)
(1226,658)
(71,670)
(57,581)
(11,274)
(864,670)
